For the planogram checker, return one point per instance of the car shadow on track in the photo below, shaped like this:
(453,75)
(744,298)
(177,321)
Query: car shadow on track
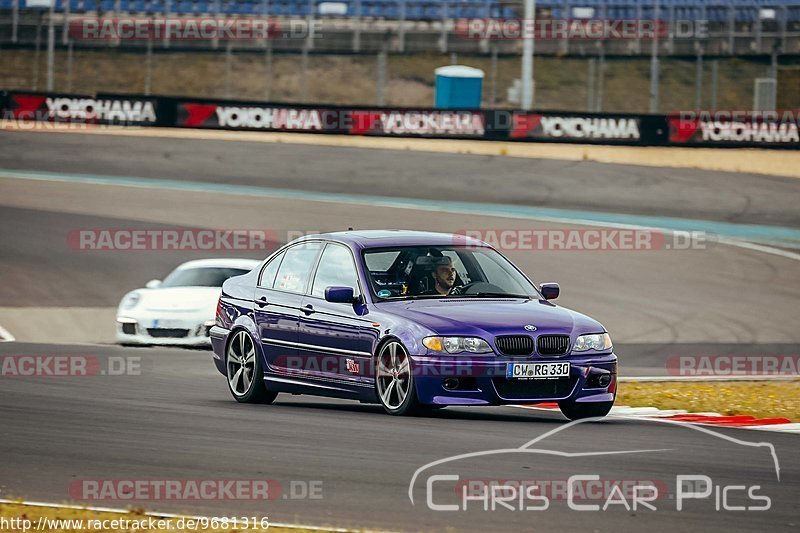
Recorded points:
(450,413)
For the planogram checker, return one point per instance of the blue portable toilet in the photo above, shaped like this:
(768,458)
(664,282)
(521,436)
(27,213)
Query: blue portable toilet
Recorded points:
(458,87)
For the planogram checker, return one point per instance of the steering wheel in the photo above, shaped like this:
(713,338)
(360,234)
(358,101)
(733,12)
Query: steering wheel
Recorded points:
(476,287)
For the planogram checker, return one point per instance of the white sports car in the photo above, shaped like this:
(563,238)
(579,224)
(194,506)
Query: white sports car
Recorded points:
(181,309)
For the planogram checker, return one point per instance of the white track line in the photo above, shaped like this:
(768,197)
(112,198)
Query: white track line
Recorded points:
(759,248)
(5,335)
(792,427)
(164,515)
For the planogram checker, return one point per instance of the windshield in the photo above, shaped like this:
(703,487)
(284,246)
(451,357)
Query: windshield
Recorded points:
(438,271)
(201,277)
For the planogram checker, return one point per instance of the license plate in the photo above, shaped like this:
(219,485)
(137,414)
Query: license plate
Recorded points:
(537,370)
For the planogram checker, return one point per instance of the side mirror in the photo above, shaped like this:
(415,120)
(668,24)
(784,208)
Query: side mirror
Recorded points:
(550,291)
(340,295)
(153,284)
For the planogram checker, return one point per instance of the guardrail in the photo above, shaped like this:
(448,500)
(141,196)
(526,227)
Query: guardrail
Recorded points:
(29,110)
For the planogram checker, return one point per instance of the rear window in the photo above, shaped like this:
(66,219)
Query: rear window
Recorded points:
(201,277)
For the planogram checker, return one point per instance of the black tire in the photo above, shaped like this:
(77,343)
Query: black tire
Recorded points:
(577,411)
(244,390)
(396,390)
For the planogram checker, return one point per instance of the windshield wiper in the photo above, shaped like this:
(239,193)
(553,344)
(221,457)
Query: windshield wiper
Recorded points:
(413,297)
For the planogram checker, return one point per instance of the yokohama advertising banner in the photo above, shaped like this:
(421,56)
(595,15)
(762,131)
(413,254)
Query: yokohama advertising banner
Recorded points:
(414,122)
(250,116)
(23,107)
(272,117)
(583,128)
(773,129)
(769,129)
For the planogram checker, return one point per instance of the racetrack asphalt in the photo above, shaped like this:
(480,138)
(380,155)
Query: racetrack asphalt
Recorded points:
(694,194)
(177,421)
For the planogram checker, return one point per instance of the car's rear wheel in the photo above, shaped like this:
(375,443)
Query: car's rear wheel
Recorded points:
(244,372)
(577,411)
(394,380)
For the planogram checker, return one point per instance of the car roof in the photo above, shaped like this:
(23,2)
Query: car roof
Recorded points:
(248,264)
(396,237)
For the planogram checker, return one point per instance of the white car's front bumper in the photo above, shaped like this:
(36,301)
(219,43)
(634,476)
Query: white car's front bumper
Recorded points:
(185,331)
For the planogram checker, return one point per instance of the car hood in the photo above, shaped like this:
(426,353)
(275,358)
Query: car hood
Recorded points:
(180,299)
(494,317)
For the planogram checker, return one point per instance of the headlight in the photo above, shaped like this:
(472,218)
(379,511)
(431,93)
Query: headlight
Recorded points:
(130,300)
(457,344)
(598,342)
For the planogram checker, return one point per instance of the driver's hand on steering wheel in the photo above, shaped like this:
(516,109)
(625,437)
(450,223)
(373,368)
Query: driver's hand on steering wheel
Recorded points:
(456,290)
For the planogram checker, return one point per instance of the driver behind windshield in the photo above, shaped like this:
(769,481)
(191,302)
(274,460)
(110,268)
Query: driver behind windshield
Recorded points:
(444,277)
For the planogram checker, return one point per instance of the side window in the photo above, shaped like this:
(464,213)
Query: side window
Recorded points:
(296,267)
(336,268)
(381,261)
(268,274)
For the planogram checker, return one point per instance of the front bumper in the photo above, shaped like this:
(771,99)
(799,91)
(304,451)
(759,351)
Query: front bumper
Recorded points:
(180,332)
(465,380)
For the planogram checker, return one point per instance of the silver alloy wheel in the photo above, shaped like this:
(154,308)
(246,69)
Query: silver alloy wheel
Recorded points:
(393,375)
(241,363)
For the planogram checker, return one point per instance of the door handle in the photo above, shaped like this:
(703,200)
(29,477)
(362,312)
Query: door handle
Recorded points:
(261,302)
(309,309)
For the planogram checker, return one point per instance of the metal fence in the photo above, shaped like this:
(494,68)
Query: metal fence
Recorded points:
(730,27)
(381,27)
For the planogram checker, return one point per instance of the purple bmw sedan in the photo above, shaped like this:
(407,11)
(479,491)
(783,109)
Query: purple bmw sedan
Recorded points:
(413,321)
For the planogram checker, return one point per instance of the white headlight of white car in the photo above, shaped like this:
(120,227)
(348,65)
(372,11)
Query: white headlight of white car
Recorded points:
(130,300)
(598,342)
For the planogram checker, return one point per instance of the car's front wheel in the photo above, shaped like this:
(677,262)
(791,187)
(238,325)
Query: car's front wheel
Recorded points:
(244,372)
(577,411)
(394,380)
